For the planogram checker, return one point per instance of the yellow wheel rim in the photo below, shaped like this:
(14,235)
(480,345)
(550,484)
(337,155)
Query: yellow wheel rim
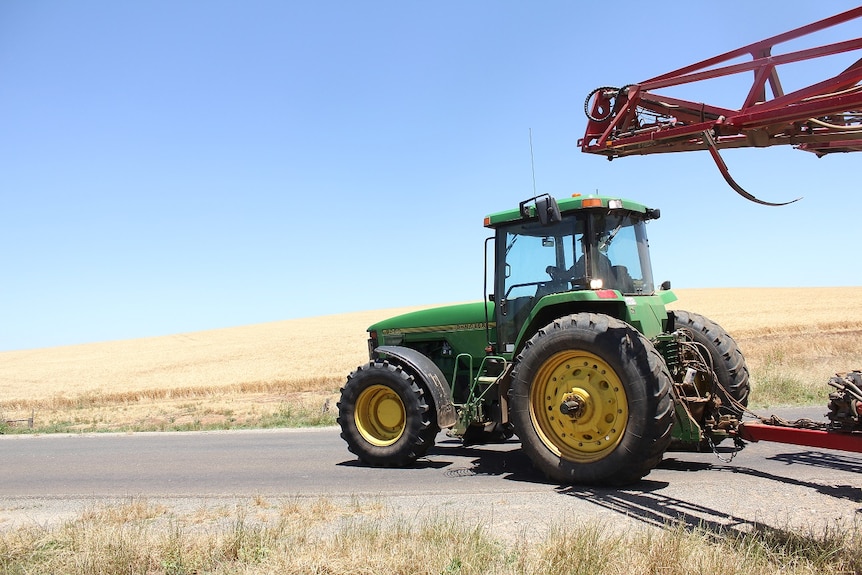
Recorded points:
(578,406)
(380,415)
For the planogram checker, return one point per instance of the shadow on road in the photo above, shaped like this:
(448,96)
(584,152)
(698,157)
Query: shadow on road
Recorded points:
(497,460)
(836,461)
(812,458)
(847,492)
(461,460)
(642,500)
(645,502)
(659,510)
(420,464)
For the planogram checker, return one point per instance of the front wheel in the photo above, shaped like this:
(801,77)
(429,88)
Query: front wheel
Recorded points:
(384,416)
(591,401)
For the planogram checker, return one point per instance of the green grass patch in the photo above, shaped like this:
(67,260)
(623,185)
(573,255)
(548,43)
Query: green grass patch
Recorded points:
(773,389)
(296,416)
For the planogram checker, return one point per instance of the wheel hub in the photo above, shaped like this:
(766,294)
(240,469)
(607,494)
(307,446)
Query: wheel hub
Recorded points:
(579,406)
(380,415)
(389,412)
(576,404)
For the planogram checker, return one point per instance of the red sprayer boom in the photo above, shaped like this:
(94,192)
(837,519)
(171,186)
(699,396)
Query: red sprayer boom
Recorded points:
(824,117)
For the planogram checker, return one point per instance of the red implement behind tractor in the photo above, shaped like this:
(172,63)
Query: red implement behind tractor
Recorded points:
(843,431)
(824,117)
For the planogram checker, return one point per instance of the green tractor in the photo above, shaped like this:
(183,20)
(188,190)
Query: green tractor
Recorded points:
(573,351)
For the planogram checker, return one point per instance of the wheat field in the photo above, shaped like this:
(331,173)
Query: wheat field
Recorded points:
(289,372)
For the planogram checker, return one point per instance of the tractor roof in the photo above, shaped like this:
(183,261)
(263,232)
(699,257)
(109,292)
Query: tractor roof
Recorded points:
(567,205)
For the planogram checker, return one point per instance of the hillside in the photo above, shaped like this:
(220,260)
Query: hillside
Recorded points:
(792,337)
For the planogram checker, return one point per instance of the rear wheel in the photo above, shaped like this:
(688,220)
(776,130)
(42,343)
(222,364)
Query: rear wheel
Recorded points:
(728,362)
(384,416)
(591,401)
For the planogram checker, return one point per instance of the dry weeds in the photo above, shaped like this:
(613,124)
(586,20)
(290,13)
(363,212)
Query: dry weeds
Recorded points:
(289,372)
(319,536)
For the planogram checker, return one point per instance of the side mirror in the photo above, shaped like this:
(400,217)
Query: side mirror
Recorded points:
(548,210)
(665,285)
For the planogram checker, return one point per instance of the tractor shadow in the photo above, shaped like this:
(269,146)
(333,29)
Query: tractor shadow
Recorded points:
(419,464)
(646,502)
(643,500)
(846,492)
(503,459)
(812,458)
(836,461)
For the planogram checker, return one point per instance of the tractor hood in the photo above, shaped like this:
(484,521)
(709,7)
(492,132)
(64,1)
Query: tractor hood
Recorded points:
(450,318)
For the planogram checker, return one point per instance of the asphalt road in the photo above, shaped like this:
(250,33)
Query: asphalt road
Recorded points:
(49,477)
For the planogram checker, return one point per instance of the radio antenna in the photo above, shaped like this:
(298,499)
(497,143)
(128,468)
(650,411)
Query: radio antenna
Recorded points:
(532,162)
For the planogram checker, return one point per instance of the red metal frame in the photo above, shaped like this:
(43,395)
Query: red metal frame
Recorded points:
(822,118)
(750,431)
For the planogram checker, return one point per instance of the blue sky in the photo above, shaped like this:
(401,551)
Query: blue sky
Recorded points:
(173,166)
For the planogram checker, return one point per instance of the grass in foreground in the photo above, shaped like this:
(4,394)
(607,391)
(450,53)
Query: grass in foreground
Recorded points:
(318,536)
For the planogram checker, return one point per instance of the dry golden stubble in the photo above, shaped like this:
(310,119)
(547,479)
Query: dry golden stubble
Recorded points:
(794,339)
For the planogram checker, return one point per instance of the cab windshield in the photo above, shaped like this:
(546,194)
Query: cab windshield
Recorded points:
(586,250)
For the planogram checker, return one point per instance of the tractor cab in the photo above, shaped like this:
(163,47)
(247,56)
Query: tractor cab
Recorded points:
(579,244)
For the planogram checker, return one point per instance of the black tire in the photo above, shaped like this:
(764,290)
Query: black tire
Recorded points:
(384,416)
(727,361)
(591,401)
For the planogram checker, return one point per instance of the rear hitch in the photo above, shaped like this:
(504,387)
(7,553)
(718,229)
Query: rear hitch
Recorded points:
(845,404)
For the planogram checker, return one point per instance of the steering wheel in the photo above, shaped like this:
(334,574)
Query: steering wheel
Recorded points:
(559,275)
(565,275)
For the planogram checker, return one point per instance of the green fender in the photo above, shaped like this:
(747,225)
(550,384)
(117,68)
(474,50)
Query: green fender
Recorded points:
(431,378)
